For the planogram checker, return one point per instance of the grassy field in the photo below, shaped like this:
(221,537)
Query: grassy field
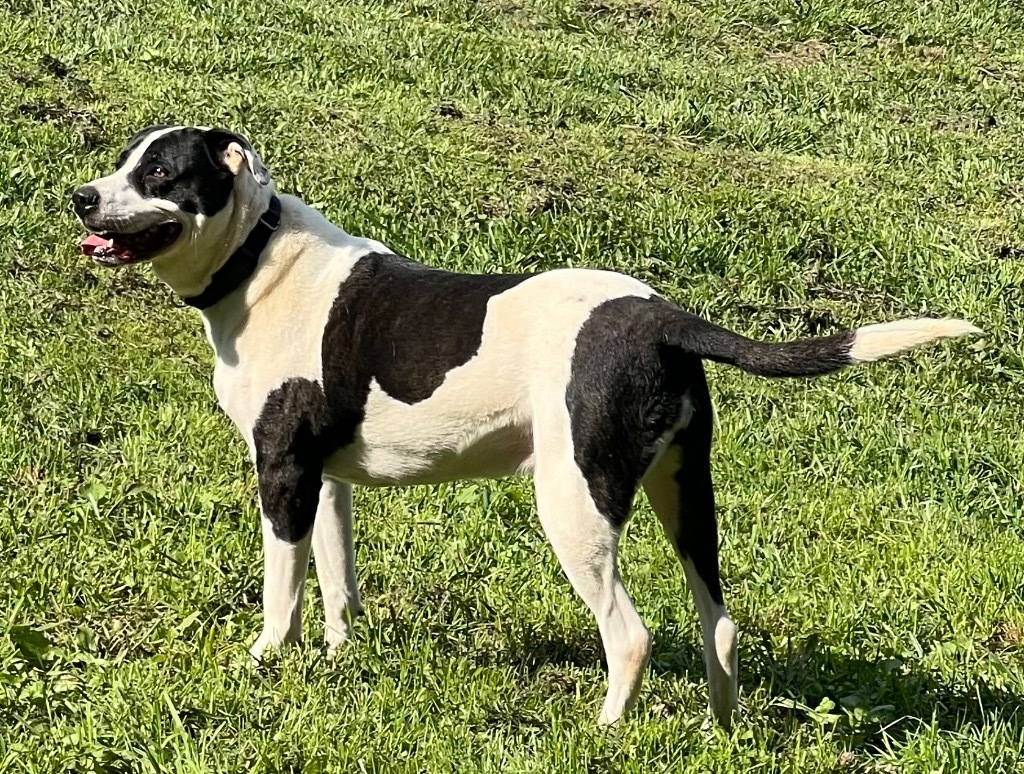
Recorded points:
(786,168)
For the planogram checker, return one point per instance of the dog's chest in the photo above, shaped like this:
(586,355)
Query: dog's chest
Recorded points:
(280,340)
(242,386)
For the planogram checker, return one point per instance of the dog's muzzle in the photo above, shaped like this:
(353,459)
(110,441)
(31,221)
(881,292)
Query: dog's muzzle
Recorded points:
(110,247)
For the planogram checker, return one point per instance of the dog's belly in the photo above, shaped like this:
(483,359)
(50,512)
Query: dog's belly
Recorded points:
(378,458)
(473,426)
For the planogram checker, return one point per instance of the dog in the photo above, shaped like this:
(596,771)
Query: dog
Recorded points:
(342,362)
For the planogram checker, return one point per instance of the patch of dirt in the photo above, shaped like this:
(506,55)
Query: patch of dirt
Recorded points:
(626,10)
(822,287)
(903,114)
(1008,636)
(805,54)
(56,112)
(893,45)
(495,207)
(549,196)
(846,761)
(966,123)
(448,110)
(137,285)
(85,125)
(556,682)
(24,78)
(62,72)
(825,294)
(814,250)
(54,66)
(503,716)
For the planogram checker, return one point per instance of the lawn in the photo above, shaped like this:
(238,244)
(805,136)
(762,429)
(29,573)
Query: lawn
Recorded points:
(785,168)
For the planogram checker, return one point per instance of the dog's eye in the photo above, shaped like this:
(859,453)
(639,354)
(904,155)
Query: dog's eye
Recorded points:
(158,172)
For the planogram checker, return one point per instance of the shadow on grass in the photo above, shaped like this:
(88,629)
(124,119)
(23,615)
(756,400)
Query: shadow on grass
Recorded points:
(885,696)
(875,699)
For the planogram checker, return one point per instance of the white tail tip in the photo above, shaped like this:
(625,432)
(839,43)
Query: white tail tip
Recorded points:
(873,342)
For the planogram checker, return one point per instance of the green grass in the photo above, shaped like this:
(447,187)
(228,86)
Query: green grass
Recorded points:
(785,168)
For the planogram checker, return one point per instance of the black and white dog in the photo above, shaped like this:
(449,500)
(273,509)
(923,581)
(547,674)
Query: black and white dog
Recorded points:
(344,363)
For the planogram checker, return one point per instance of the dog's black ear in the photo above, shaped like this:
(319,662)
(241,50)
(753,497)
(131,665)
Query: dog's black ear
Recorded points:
(134,142)
(232,151)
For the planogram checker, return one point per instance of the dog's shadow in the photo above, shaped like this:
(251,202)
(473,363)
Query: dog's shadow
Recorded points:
(883,697)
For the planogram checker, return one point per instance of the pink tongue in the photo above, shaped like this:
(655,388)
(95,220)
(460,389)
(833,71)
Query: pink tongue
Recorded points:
(94,243)
(96,246)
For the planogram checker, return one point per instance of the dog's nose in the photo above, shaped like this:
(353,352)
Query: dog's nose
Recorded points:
(85,199)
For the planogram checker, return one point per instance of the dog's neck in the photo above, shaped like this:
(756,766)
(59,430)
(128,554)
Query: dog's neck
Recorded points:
(241,264)
(294,238)
(305,252)
(190,270)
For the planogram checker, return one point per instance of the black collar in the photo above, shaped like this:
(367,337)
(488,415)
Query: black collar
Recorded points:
(242,263)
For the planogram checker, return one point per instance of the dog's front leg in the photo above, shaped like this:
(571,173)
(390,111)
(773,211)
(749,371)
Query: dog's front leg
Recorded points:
(284,579)
(289,484)
(334,555)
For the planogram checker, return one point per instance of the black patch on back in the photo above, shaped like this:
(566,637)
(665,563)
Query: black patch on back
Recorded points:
(195,181)
(289,456)
(400,323)
(625,393)
(406,325)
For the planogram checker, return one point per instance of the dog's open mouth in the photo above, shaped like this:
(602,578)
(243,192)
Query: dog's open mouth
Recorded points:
(121,249)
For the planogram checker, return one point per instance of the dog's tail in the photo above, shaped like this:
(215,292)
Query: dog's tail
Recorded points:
(811,357)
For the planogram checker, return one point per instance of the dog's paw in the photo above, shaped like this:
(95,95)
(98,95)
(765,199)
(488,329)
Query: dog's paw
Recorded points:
(260,649)
(339,633)
(609,718)
(720,724)
(268,643)
(335,639)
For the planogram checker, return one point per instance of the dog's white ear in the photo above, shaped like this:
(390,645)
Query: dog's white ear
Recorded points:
(235,152)
(252,161)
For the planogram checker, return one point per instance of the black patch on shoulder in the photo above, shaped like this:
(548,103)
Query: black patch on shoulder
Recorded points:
(400,323)
(625,393)
(289,456)
(192,176)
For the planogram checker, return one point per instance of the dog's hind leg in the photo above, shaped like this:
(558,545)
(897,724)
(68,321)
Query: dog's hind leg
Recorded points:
(586,542)
(679,488)
(334,555)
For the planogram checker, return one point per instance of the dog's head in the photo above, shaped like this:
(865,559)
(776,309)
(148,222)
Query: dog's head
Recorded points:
(174,196)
